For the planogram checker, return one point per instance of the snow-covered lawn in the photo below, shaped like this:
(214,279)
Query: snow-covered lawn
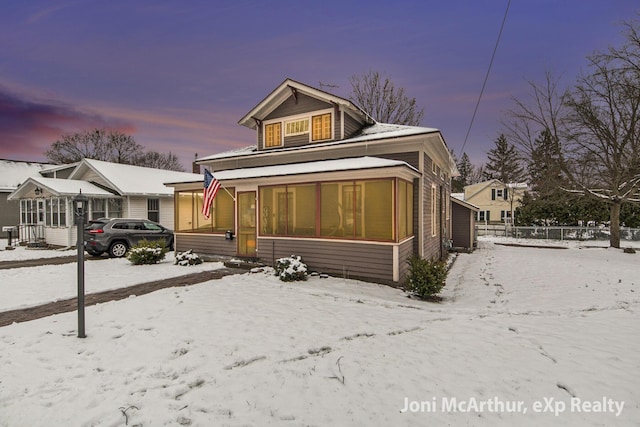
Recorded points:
(24,253)
(30,286)
(553,333)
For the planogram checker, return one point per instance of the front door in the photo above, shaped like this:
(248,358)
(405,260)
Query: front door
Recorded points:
(247,237)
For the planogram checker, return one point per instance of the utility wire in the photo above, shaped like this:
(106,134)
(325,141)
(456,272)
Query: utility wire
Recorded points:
(486,77)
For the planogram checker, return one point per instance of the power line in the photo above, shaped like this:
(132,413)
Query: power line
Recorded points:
(486,77)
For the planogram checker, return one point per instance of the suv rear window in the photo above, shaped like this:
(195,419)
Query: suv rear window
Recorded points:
(95,225)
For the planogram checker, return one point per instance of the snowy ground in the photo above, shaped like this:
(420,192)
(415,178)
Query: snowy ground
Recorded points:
(23,253)
(25,287)
(552,332)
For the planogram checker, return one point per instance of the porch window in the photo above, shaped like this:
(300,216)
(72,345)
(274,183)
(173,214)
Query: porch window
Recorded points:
(55,212)
(321,127)
(153,210)
(288,210)
(348,209)
(405,209)
(28,211)
(189,216)
(273,135)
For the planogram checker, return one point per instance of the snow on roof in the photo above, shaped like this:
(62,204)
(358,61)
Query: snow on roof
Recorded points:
(459,196)
(13,173)
(321,166)
(370,133)
(136,180)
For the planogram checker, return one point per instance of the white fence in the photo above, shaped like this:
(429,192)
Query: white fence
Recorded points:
(556,233)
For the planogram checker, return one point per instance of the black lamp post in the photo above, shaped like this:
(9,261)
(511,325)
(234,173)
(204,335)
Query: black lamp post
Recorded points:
(80,204)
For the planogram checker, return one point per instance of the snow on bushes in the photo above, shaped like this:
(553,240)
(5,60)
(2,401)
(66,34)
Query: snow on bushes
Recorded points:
(291,269)
(188,258)
(147,252)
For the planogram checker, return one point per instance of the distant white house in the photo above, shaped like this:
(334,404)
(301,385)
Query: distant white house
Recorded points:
(115,190)
(12,174)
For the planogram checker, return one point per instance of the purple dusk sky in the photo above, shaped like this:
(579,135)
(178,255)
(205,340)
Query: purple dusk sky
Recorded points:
(178,75)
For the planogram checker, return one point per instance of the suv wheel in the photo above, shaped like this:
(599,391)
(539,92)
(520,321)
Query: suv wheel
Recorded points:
(118,249)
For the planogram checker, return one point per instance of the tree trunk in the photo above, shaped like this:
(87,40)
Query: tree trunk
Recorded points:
(614,228)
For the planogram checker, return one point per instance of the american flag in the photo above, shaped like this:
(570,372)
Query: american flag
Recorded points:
(211,187)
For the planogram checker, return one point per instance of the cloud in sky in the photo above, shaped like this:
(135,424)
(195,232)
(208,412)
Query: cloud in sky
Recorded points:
(29,125)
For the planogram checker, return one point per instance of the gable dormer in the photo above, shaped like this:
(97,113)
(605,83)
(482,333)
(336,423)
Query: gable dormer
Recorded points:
(297,115)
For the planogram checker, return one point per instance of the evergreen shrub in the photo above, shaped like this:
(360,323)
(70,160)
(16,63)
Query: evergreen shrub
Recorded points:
(291,269)
(188,258)
(147,252)
(426,278)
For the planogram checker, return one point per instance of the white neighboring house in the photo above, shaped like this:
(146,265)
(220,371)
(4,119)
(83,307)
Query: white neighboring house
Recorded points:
(12,173)
(114,190)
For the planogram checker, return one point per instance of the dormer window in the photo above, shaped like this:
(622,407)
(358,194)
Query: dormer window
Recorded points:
(321,127)
(273,135)
(296,127)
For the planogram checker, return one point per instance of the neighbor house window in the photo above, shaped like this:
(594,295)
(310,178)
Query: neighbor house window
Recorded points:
(55,212)
(321,127)
(296,127)
(28,211)
(98,209)
(153,209)
(114,208)
(483,216)
(189,212)
(272,135)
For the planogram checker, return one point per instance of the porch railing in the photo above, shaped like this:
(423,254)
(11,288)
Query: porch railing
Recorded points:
(30,234)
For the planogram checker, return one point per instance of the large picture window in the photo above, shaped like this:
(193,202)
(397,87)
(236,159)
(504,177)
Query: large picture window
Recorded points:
(347,209)
(272,135)
(189,212)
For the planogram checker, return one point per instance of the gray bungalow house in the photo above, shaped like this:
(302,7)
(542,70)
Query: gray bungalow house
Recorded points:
(323,180)
(115,190)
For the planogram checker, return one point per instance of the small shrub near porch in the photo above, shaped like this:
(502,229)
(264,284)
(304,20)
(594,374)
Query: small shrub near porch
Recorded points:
(188,258)
(147,252)
(426,278)
(291,269)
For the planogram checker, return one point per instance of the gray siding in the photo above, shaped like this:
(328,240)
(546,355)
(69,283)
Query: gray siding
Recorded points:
(9,214)
(303,105)
(296,141)
(205,244)
(405,250)
(411,158)
(352,259)
(351,126)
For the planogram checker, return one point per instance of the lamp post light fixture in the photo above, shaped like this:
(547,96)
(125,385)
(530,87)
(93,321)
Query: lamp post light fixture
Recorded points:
(80,205)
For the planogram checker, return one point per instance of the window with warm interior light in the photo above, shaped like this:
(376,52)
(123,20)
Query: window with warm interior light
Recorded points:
(273,135)
(190,217)
(321,127)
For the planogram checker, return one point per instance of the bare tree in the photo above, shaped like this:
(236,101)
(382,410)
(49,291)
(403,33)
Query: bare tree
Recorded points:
(385,102)
(604,128)
(154,159)
(595,127)
(110,146)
